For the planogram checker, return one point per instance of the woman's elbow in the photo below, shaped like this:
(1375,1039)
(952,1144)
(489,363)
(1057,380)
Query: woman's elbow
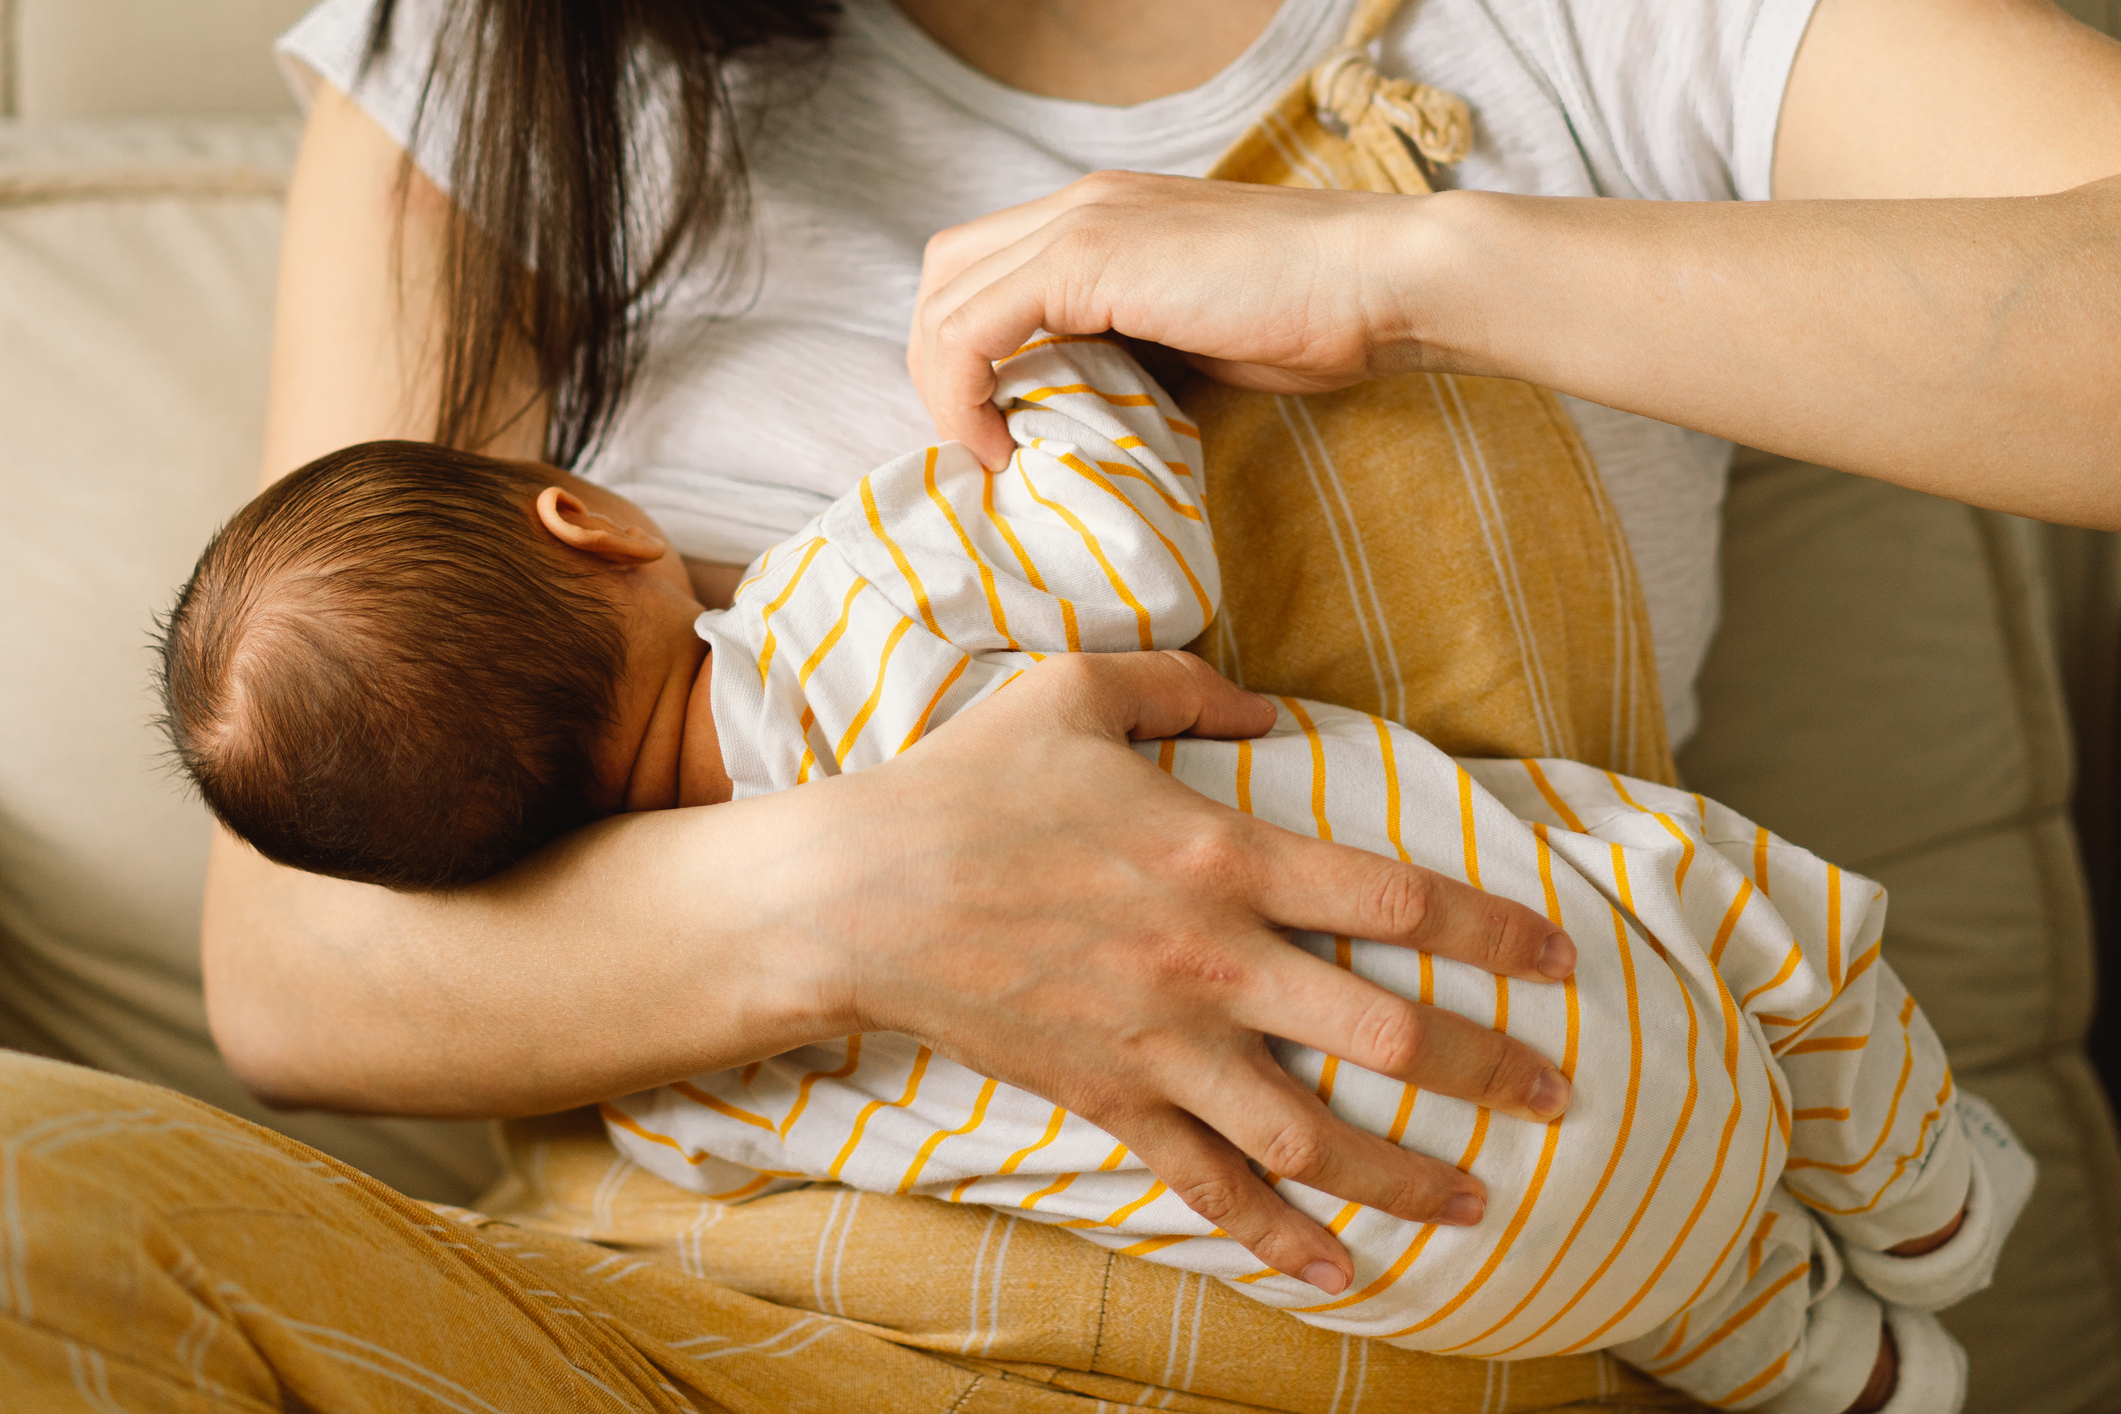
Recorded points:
(265,1071)
(256,1032)
(262,987)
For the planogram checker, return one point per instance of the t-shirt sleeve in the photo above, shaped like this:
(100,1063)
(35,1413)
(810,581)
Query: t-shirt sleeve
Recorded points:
(1762,76)
(327,45)
(1674,100)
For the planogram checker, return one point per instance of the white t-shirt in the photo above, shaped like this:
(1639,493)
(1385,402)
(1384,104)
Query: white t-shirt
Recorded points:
(767,396)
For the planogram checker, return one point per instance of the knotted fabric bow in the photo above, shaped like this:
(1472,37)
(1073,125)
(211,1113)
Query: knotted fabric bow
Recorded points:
(1384,117)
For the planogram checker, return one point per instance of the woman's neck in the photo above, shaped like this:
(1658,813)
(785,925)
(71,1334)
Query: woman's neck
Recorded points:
(1117,52)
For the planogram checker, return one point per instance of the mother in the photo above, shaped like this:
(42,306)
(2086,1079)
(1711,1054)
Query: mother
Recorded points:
(1036,934)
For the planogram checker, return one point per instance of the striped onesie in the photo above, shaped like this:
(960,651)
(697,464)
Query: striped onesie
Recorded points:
(1759,1107)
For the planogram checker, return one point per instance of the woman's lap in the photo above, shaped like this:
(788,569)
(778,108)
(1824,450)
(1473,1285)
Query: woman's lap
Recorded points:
(158,1253)
(161,1254)
(969,1283)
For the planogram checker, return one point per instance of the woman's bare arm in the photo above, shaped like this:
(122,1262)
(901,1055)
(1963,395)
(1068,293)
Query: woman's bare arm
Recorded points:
(358,316)
(1021,890)
(1963,342)
(571,980)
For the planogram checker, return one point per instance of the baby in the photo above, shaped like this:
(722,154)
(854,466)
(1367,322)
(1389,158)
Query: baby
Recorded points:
(413,666)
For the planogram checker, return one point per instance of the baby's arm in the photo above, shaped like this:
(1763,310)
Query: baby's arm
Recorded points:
(1092,539)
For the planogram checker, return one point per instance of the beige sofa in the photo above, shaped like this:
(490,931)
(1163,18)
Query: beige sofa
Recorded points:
(1894,684)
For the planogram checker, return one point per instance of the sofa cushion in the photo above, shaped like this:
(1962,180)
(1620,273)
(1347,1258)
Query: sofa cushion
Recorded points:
(136,277)
(1884,690)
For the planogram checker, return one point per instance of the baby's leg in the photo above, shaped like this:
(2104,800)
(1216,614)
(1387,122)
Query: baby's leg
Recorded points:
(1889,1169)
(1883,1148)
(1794,1306)
(1882,1153)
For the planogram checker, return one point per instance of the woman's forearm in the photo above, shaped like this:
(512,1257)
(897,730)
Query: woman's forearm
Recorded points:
(581,975)
(1970,348)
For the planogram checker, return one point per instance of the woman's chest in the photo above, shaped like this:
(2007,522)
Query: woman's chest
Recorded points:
(778,359)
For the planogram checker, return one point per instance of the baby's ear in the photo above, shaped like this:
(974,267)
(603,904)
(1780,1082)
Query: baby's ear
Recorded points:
(568,519)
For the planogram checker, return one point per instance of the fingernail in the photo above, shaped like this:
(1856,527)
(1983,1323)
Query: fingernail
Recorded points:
(1463,1211)
(1269,703)
(1327,1278)
(1550,1094)
(1557,956)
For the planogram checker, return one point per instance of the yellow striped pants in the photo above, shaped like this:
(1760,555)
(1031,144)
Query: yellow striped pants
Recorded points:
(158,1254)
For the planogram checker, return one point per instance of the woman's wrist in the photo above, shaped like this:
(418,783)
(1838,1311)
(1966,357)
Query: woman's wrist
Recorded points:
(1425,266)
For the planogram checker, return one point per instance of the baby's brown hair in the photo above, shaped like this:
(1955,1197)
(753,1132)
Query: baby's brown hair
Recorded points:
(383,669)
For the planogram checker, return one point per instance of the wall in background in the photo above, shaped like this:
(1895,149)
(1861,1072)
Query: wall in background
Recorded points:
(113,58)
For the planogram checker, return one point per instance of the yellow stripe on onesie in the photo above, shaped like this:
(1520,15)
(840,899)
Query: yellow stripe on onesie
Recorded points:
(1745,1069)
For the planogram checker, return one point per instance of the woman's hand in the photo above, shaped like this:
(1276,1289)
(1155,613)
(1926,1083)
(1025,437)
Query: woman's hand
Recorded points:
(1032,898)
(1264,287)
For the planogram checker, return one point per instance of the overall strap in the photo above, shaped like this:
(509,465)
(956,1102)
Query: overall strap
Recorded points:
(1368,22)
(1432,548)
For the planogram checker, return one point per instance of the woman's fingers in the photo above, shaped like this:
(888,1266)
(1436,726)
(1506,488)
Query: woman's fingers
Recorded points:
(1208,1173)
(1328,888)
(952,357)
(1288,1131)
(1316,1004)
(951,252)
(1244,1105)
(957,381)
(1278,288)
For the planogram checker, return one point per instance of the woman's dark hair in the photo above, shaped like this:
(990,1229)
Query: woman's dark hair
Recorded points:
(554,245)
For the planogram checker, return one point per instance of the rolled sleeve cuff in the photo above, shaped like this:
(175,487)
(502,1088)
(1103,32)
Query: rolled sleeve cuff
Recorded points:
(2000,1176)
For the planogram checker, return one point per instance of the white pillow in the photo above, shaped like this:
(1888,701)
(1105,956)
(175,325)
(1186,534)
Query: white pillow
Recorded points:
(136,278)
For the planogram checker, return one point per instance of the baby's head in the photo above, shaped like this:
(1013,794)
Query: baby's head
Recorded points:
(390,667)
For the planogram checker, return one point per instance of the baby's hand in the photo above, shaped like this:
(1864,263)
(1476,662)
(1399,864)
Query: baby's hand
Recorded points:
(1885,1372)
(1917,1246)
